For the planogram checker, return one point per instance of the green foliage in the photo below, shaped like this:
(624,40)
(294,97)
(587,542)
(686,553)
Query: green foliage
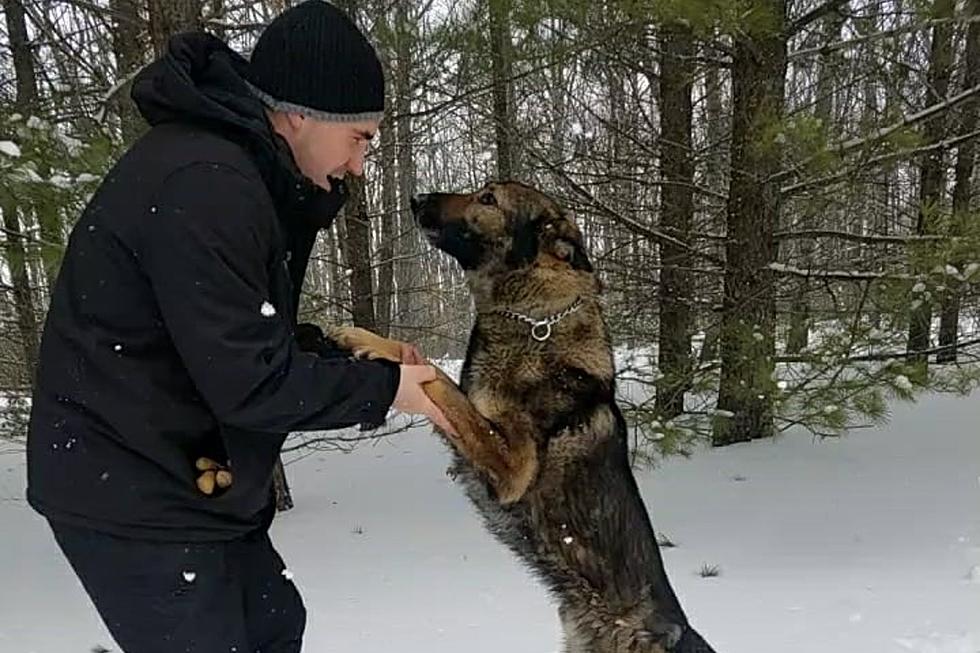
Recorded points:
(50,173)
(806,139)
(847,379)
(52,162)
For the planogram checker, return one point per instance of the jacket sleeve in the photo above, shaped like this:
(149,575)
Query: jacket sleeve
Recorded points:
(207,253)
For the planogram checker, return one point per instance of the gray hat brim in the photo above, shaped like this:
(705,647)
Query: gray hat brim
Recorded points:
(315,114)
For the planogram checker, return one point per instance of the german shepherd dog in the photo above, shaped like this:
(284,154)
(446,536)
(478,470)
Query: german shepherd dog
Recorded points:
(540,444)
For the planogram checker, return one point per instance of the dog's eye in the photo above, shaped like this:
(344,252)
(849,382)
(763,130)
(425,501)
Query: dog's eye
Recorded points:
(488,199)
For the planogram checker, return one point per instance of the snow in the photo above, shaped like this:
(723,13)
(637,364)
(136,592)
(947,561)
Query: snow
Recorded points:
(60,181)
(938,643)
(267,309)
(867,543)
(26,174)
(73,145)
(902,382)
(974,575)
(10,149)
(841,274)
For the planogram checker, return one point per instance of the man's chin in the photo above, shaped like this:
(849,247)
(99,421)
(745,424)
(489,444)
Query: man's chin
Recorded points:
(330,182)
(327,183)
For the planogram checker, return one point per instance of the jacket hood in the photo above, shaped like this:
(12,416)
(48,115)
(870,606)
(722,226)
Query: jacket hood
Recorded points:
(199,79)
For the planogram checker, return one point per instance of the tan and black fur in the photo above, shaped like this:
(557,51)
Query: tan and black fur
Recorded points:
(541,446)
(580,523)
(560,492)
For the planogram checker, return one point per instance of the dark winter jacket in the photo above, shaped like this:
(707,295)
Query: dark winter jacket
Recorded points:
(171,327)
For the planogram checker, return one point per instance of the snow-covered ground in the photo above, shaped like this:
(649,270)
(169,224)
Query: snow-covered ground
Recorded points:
(863,544)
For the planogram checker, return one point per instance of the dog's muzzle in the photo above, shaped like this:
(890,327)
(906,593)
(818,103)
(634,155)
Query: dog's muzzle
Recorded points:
(426,214)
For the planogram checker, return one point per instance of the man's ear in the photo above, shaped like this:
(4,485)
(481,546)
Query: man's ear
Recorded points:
(295,120)
(285,123)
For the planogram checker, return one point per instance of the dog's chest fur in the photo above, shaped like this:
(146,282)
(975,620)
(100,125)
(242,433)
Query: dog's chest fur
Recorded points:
(561,394)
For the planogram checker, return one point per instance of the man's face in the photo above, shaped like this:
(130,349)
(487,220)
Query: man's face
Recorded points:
(325,150)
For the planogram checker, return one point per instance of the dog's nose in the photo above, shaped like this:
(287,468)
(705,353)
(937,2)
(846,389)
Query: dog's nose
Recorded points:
(417,202)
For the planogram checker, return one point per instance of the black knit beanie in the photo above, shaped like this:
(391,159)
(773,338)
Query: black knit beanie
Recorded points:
(312,59)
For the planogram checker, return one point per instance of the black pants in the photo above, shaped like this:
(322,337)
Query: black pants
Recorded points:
(163,597)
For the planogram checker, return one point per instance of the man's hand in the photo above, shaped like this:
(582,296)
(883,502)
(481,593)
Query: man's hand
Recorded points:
(411,354)
(410,397)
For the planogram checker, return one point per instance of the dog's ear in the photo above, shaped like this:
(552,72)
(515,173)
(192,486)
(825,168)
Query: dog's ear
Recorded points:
(564,242)
(525,241)
(550,235)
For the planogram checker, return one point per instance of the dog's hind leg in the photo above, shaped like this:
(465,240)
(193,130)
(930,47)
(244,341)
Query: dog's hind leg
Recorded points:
(508,460)
(574,641)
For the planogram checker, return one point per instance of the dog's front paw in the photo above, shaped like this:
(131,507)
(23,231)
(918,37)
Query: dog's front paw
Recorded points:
(364,344)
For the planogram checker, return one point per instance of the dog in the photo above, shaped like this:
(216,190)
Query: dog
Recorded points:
(539,367)
(540,446)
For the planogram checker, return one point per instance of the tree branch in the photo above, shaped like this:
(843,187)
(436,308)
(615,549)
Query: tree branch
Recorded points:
(843,275)
(840,45)
(867,358)
(857,238)
(815,14)
(876,161)
(653,234)
(848,146)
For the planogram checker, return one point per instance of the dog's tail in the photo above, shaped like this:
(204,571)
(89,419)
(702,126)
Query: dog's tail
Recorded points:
(692,642)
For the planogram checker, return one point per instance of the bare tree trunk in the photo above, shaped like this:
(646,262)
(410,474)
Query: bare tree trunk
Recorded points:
(932,170)
(717,130)
(355,244)
(965,160)
(16,255)
(25,102)
(799,330)
(168,17)
(20,48)
(357,251)
(216,9)
(503,103)
(409,273)
(389,191)
(127,46)
(883,192)
(747,347)
(284,497)
(677,211)
(389,217)
(336,276)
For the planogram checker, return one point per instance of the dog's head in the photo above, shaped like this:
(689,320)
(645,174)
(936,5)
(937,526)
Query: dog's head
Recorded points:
(502,227)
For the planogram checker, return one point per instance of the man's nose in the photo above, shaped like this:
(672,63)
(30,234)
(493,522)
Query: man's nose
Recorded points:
(356,166)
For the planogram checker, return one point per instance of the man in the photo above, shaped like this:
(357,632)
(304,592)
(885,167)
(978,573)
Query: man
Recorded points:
(170,336)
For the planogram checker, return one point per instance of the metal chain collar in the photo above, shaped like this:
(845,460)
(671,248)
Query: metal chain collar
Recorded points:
(541,329)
